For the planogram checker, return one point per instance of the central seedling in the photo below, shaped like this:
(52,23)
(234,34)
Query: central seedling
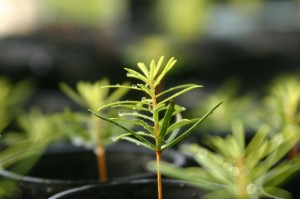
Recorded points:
(157,118)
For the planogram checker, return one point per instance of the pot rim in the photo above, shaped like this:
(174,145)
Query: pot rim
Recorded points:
(176,157)
(116,183)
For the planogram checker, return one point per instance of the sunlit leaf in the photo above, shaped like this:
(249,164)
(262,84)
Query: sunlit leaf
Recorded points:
(137,75)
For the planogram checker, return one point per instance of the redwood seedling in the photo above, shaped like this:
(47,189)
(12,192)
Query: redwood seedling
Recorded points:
(157,117)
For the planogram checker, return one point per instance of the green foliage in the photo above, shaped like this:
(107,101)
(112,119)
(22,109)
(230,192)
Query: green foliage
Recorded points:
(278,108)
(230,168)
(89,96)
(36,131)
(193,17)
(81,126)
(283,102)
(236,105)
(33,126)
(154,114)
(12,97)
(89,13)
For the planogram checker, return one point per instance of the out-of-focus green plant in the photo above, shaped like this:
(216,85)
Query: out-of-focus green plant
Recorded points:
(33,127)
(184,20)
(230,168)
(283,104)
(248,6)
(99,13)
(82,127)
(236,105)
(12,98)
(147,47)
(157,129)
(36,132)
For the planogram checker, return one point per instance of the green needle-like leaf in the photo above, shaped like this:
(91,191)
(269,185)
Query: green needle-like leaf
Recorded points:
(177,88)
(238,133)
(69,91)
(158,66)
(137,122)
(179,93)
(137,75)
(135,141)
(139,137)
(165,124)
(143,68)
(119,103)
(168,67)
(189,131)
(146,90)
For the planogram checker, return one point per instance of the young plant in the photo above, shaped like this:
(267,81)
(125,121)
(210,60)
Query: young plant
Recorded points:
(35,132)
(12,98)
(230,168)
(283,104)
(154,113)
(83,127)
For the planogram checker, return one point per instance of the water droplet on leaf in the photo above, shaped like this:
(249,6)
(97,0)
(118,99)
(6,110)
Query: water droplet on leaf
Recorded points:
(251,188)
(234,171)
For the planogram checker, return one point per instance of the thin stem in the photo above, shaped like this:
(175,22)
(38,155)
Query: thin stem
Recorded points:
(100,153)
(101,162)
(158,152)
(159,181)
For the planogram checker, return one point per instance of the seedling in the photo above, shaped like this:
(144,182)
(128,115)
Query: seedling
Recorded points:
(83,127)
(283,104)
(156,128)
(12,98)
(230,168)
(36,131)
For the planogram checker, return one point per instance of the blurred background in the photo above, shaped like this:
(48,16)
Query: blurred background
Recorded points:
(50,41)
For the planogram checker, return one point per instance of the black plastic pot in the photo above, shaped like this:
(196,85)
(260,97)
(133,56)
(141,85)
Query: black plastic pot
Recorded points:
(137,189)
(65,167)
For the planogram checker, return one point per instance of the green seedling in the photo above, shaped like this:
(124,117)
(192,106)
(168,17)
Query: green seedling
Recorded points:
(34,133)
(157,117)
(230,168)
(83,127)
(283,104)
(12,98)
